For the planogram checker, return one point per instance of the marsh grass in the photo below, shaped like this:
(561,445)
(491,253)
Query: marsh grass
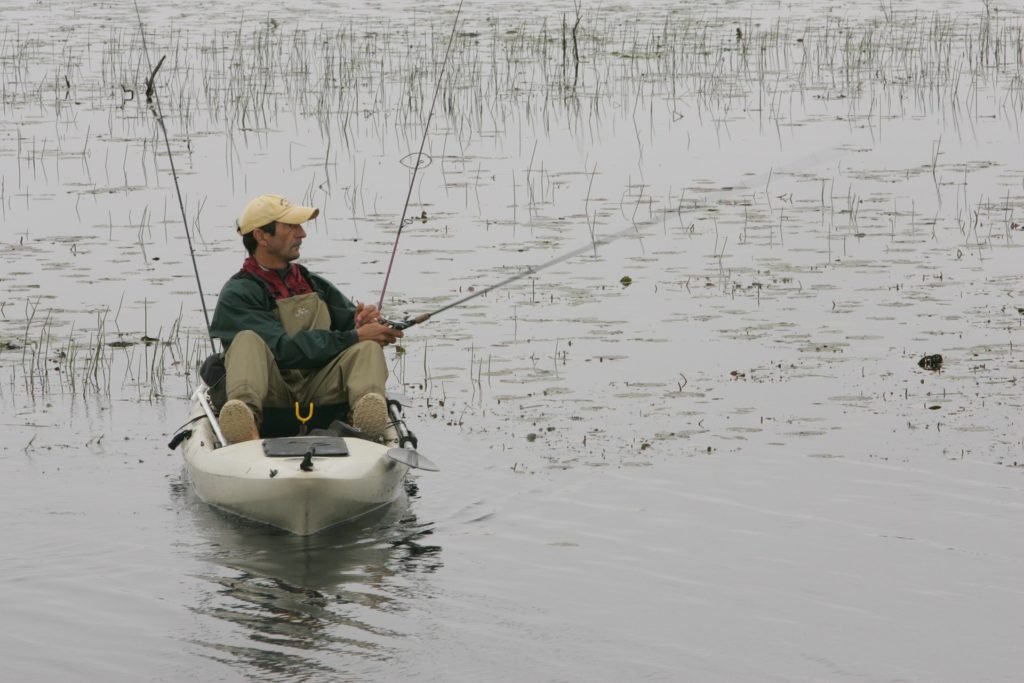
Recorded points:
(364,79)
(246,80)
(84,361)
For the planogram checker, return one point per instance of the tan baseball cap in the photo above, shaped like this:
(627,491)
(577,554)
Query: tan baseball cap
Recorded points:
(268,208)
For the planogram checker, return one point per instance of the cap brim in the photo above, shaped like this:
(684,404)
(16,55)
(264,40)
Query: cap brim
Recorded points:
(299,214)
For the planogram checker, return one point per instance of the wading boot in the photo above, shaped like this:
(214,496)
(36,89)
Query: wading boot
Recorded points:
(370,416)
(237,422)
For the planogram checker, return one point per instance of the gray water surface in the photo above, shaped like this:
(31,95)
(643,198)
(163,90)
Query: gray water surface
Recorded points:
(701,450)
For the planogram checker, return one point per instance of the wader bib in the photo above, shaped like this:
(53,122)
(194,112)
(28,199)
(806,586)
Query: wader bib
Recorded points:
(253,375)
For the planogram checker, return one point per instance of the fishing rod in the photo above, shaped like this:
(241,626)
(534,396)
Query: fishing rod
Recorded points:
(154,101)
(531,270)
(802,163)
(419,157)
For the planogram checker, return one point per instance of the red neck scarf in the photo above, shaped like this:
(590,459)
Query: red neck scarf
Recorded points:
(291,284)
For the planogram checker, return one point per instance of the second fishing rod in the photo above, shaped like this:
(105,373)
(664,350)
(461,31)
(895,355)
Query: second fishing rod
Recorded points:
(418,161)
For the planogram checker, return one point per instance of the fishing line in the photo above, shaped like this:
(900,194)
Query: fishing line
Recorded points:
(155,108)
(419,157)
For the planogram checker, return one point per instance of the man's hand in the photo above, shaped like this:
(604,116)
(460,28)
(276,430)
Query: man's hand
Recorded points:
(378,332)
(366,314)
(369,327)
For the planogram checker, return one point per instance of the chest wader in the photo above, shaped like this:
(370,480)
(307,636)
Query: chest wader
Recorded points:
(253,375)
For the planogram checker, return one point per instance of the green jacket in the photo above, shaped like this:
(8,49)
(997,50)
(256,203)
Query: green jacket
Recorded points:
(246,304)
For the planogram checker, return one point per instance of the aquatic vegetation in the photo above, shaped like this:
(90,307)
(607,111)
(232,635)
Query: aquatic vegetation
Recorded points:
(790,181)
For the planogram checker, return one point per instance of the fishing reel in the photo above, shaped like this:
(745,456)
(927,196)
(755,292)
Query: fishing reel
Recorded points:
(397,324)
(407,323)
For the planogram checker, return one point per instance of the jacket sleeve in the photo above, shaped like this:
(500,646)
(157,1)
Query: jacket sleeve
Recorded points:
(243,305)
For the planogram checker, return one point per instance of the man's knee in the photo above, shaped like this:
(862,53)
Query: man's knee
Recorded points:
(247,337)
(247,352)
(367,356)
(246,340)
(368,348)
(366,360)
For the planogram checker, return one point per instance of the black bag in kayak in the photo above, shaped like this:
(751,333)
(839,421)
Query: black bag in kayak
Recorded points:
(213,374)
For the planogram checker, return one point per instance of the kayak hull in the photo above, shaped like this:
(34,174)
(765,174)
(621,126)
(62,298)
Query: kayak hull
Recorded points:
(302,494)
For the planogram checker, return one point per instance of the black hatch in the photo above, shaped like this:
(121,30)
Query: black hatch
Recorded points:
(300,446)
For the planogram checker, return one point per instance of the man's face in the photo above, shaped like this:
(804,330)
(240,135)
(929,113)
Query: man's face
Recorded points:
(286,241)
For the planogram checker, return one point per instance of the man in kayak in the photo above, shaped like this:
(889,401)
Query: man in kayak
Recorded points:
(290,335)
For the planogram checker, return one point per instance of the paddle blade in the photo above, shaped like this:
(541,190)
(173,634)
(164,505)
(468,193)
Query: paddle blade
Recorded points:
(413,459)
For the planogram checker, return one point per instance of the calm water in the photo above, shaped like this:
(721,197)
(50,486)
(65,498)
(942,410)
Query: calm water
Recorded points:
(702,452)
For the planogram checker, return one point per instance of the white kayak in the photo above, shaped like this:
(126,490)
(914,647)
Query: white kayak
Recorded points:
(302,484)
